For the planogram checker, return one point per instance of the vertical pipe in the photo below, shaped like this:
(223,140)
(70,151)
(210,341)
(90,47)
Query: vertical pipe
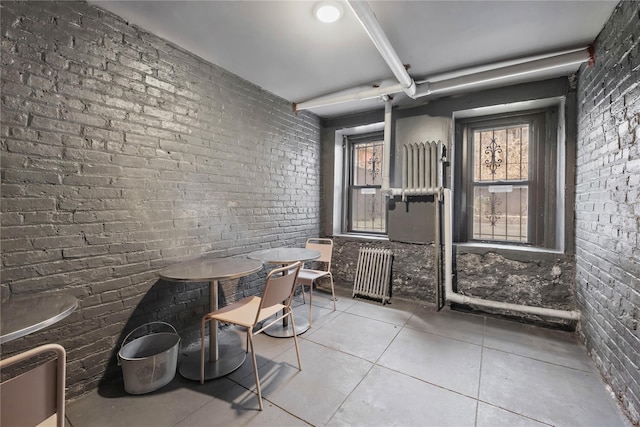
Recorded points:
(448,260)
(463,299)
(386,152)
(436,248)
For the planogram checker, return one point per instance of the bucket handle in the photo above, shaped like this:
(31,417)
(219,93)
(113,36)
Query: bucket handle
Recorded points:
(142,326)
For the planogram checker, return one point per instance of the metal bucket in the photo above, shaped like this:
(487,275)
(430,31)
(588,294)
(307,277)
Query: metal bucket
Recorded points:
(149,362)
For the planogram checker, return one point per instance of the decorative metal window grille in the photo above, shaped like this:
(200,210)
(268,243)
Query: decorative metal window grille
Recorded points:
(500,184)
(367,205)
(507,178)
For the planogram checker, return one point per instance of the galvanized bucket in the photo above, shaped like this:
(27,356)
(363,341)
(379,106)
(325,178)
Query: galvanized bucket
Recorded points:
(149,362)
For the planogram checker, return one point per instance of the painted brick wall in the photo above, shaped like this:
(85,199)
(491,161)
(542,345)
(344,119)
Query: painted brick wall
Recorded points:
(608,205)
(122,154)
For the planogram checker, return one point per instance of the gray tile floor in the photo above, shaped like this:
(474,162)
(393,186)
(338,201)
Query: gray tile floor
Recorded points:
(366,364)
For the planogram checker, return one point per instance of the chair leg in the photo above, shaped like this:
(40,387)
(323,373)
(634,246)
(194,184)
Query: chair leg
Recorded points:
(255,367)
(333,292)
(310,304)
(204,322)
(295,338)
(304,301)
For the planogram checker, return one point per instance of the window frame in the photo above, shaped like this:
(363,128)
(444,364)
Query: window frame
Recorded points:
(543,214)
(349,142)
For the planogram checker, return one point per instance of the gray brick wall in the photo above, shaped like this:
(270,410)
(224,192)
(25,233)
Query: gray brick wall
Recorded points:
(608,205)
(122,154)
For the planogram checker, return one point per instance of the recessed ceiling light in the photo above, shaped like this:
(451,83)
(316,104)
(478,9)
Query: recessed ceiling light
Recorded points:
(327,11)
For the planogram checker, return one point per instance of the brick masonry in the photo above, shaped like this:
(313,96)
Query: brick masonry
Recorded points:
(122,154)
(608,205)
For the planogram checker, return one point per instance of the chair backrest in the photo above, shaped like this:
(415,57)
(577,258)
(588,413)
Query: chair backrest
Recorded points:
(325,246)
(35,395)
(279,286)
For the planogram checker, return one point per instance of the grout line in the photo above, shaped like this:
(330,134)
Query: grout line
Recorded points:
(515,413)
(373,365)
(586,371)
(484,330)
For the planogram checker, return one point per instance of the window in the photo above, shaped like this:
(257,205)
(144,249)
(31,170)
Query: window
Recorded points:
(366,205)
(508,179)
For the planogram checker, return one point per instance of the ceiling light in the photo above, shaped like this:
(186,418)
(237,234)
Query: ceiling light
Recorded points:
(327,11)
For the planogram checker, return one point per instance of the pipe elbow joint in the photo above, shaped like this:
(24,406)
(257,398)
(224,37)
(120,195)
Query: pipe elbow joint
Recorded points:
(411,89)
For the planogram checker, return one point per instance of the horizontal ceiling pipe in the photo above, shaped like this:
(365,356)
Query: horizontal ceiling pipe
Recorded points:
(347,96)
(442,87)
(373,29)
(511,71)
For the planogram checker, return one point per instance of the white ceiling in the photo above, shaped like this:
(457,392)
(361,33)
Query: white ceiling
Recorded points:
(279,46)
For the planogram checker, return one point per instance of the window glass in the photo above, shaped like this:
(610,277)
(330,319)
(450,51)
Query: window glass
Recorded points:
(506,179)
(500,183)
(366,203)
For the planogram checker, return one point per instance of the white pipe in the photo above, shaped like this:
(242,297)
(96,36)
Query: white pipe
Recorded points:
(351,95)
(442,87)
(371,25)
(484,77)
(386,152)
(463,299)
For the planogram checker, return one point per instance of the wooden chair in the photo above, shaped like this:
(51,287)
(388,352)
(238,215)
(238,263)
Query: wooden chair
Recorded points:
(249,312)
(36,395)
(309,276)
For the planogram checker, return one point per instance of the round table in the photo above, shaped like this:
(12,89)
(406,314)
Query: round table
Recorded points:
(223,359)
(285,256)
(21,315)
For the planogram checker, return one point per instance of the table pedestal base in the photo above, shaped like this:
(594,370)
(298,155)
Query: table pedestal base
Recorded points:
(230,358)
(278,330)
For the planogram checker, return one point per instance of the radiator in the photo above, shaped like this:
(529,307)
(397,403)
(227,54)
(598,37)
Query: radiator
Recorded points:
(420,167)
(373,274)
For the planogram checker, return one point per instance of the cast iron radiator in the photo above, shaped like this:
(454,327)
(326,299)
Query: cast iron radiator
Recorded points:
(420,167)
(373,274)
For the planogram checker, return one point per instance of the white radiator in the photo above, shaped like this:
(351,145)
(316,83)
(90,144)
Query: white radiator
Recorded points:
(420,167)
(373,274)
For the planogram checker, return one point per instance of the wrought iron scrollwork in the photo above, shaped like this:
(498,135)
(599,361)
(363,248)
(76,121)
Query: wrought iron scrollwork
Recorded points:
(493,148)
(374,162)
(491,212)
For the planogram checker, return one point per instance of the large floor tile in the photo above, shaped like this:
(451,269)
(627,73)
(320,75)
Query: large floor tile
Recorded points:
(492,416)
(553,346)
(267,348)
(451,324)
(356,335)
(448,363)
(316,392)
(396,313)
(321,316)
(367,364)
(239,407)
(388,398)
(547,392)
(322,298)
(110,406)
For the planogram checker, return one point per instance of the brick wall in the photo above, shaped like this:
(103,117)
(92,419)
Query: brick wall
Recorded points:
(122,154)
(608,205)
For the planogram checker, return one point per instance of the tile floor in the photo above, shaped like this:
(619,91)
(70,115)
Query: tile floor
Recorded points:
(366,364)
